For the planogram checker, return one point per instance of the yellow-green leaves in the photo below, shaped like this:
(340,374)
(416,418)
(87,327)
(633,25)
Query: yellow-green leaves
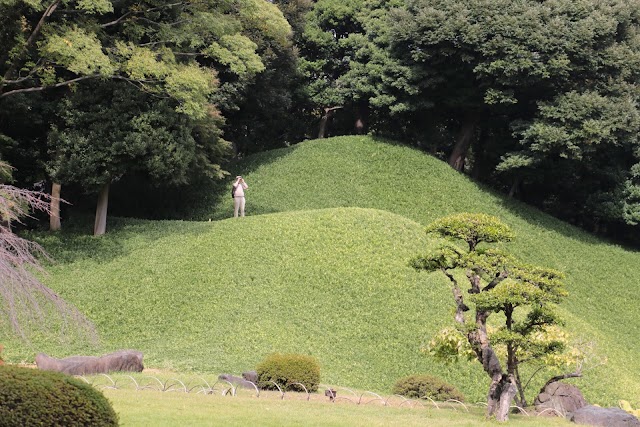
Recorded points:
(191,86)
(238,52)
(472,228)
(79,51)
(94,6)
(141,63)
(266,18)
(445,256)
(448,345)
(509,292)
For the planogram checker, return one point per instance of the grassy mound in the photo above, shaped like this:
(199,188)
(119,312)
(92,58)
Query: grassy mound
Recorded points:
(220,296)
(323,271)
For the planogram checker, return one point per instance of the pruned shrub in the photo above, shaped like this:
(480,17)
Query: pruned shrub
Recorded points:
(288,369)
(30,397)
(419,386)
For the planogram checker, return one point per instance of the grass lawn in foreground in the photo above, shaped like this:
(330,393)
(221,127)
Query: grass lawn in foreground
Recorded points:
(158,409)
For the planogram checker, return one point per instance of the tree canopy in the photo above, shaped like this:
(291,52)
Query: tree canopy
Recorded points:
(149,83)
(537,99)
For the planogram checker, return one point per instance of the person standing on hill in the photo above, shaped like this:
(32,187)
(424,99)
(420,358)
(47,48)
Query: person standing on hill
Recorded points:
(237,192)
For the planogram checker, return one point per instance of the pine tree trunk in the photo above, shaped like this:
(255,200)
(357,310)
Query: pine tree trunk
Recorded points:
(100,226)
(463,142)
(502,389)
(508,392)
(54,216)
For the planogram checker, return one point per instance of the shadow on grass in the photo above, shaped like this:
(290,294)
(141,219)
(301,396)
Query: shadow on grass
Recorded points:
(538,218)
(76,242)
(200,200)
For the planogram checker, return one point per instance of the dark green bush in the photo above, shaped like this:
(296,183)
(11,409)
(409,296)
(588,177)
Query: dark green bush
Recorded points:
(288,369)
(419,386)
(30,397)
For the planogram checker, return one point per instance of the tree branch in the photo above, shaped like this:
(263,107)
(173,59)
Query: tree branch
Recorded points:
(499,278)
(36,31)
(40,88)
(27,77)
(461,307)
(131,12)
(117,21)
(561,377)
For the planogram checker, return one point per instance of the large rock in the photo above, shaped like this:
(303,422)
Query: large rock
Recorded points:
(123,360)
(562,398)
(237,381)
(605,417)
(251,376)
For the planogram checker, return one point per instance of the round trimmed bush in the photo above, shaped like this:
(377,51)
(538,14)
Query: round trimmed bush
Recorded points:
(419,386)
(288,369)
(30,397)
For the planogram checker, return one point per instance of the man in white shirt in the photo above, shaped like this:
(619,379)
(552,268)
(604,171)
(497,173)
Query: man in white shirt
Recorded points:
(238,196)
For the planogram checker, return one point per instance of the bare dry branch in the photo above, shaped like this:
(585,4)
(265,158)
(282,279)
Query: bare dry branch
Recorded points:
(22,296)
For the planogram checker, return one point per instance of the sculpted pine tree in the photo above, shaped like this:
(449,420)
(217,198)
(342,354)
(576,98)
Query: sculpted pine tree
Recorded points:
(497,283)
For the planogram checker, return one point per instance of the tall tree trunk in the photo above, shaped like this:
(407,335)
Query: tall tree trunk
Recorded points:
(100,226)
(322,130)
(478,172)
(515,187)
(463,141)
(54,216)
(328,113)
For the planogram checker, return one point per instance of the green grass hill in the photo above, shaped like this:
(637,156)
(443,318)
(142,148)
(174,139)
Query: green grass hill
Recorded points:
(319,266)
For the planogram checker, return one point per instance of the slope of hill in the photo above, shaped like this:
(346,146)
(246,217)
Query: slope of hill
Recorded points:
(360,171)
(320,267)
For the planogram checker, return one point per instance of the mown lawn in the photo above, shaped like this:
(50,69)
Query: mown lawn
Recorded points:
(320,267)
(158,409)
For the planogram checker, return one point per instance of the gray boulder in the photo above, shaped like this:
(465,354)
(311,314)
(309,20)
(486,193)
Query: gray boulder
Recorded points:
(606,417)
(123,360)
(237,381)
(251,376)
(559,398)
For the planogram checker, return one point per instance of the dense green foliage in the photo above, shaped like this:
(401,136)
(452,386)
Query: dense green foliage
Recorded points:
(423,386)
(98,142)
(537,98)
(311,275)
(131,88)
(30,397)
(288,369)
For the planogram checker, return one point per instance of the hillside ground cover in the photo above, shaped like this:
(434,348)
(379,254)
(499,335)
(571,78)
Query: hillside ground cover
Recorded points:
(320,266)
